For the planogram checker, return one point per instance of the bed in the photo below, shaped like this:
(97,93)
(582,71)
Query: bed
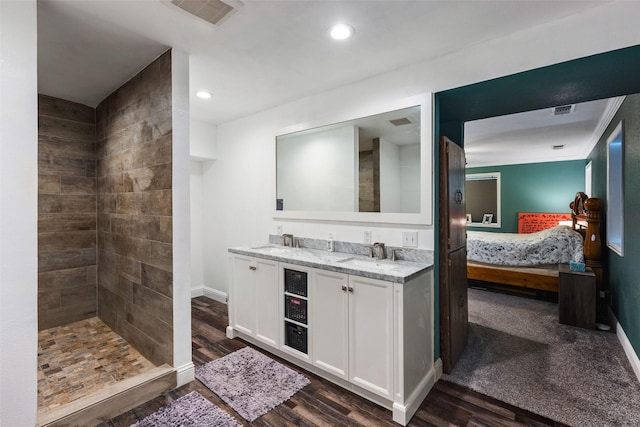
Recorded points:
(531,260)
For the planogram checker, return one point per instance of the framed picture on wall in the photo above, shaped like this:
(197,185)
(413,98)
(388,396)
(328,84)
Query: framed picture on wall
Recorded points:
(469,220)
(487,218)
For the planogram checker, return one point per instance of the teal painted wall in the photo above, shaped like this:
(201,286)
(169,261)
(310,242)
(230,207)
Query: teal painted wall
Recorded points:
(436,226)
(534,187)
(624,272)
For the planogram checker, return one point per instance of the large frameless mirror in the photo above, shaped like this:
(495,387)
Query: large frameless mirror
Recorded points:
(371,168)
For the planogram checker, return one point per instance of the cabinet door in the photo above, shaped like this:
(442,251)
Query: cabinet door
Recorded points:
(267,301)
(371,335)
(330,317)
(243,295)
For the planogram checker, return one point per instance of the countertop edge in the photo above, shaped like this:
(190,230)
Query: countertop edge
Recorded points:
(335,268)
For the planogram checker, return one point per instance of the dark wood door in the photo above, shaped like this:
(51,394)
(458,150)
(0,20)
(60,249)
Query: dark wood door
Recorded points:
(454,314)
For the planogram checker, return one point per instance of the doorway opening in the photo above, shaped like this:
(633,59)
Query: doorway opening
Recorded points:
(571,82)
(582,80)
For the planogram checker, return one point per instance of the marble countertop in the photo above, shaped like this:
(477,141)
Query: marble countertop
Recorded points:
(399,271)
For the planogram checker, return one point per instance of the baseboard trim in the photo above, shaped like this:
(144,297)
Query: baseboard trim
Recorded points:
(214,294)
(437,366)
(402,414)
(626,344)
(185,374)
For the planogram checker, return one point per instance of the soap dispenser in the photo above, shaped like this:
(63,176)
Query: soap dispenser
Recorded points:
(330,243)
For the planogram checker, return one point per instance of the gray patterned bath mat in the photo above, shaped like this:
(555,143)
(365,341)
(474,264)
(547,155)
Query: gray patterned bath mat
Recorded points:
(250,382)
(190,410)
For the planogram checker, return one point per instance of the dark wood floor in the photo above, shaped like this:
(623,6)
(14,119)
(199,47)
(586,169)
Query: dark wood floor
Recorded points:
(324,404)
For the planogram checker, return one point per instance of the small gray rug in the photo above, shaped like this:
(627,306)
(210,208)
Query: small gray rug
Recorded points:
(519,353)
(250,382)
(191,410)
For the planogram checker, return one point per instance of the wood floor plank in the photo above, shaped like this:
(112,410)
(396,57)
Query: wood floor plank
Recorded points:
(480,402)
(322,403)
(441,412)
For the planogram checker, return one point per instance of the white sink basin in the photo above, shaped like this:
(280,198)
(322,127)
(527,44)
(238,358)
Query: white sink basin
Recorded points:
(361,262)
(274,250)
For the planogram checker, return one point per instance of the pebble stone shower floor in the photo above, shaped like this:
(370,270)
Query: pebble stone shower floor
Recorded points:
(80,358)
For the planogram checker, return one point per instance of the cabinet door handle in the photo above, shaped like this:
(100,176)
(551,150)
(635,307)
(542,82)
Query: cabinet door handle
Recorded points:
(344,288)
(350,289)
(251,267)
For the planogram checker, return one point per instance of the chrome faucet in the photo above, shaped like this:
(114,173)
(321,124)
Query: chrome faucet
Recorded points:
(285,238)
(380,248)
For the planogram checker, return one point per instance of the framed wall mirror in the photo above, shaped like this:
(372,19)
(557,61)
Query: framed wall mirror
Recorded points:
(375,168)
(483,199)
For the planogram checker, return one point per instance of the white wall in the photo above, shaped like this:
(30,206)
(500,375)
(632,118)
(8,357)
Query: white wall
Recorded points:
(390,177)
(181,218)
(399,177)
(197,225)
(202,144)
(202,151)
(410,178)
(238,188)
(317,170)
(18,213)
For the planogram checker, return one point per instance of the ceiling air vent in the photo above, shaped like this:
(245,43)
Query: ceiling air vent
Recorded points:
(400,122)
(557,147)
(212,11)
(564,109)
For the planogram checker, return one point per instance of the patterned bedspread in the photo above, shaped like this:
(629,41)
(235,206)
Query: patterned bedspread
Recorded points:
(555,245)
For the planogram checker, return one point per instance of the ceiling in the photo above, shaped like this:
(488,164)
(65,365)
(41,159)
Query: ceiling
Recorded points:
(530,137)
(268,53)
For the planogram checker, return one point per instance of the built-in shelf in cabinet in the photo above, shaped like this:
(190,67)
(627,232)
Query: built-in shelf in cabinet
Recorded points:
(296,310)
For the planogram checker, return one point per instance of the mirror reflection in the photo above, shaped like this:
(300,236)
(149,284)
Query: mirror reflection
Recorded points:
(371,164)
(483,199)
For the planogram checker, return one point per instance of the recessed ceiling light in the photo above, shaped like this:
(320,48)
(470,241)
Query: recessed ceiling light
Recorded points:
(203,94)
(341,31)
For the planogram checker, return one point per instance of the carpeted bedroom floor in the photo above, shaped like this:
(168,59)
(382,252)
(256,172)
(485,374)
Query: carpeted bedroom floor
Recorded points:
(520,354)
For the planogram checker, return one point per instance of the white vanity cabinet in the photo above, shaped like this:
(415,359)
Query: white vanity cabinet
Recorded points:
(254,298)
(353,329)
(371,336)
(330,322)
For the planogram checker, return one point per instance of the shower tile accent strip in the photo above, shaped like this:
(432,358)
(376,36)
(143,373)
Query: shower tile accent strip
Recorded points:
(80,358)
(66,212)
(135,250)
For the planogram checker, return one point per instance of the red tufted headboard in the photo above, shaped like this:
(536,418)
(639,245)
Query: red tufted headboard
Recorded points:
(530,222)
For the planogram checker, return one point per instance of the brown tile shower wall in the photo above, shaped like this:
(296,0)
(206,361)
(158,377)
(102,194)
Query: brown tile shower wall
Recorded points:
(135,253)
(66,212)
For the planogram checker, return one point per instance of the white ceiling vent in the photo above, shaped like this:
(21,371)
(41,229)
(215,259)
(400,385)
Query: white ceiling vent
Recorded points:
(557,147)
(564,109)
(400,122)
(212,11)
